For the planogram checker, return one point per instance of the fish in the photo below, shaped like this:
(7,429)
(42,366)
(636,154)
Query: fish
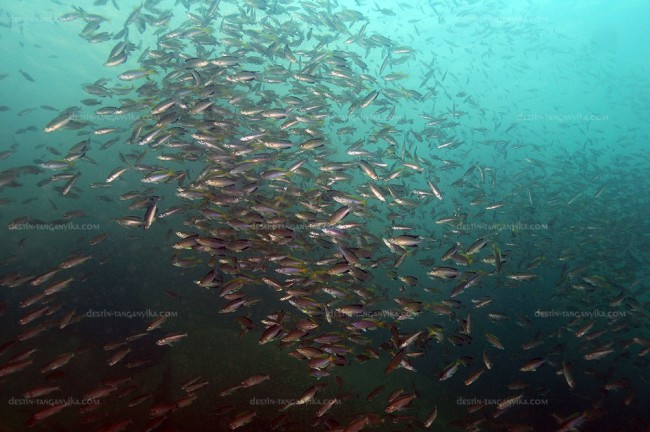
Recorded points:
(597,354)
(585,329)
(63,119)
(171,339)
(367,169)
(375,392)
(118,356)
(74,261)
(533,365)
(326,407)
(40,391)
(242,419)
(400,402)
(568,375)
(522,276)
(368,99)
(47,412)
(449,371)
(13,367)
(254,380)
(135,74)
(157,322)
(434,190)
(32,316)
(494,341)
(475,376)
(150,215)
(58,286)
(431,417)
(58,362)
(444,272)
(574,421)
(117,172)
(27,76)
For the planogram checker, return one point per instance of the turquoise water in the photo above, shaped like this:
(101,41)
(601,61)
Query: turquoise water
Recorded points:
(529,119)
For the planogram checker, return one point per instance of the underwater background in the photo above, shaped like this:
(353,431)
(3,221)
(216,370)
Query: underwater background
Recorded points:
(294,215)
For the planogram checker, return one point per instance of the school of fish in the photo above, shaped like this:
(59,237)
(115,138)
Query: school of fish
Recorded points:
(371,245)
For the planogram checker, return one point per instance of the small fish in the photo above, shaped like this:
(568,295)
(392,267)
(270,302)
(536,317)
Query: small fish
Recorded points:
(13,367)
(40,391)
(58,286)
(254,380)
(171,339)
(47,412)
(568,375)
(74,261)
(585,329)
(368,169)
(135,74)
(532,365)
(150,215)
(399,403)
(62,120)
(375,392)
(431,417)
(444,272)
(369,99)
(157,322)
(58,362)
(494,341)
(522,276)
(118,356)
(326,407)
(598,354)
(435,190)
(26,75)
(475,376)
(574,422)
(449,371)
(242,419)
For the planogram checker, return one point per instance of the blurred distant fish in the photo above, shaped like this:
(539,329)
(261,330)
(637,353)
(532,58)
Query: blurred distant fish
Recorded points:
(26,75)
